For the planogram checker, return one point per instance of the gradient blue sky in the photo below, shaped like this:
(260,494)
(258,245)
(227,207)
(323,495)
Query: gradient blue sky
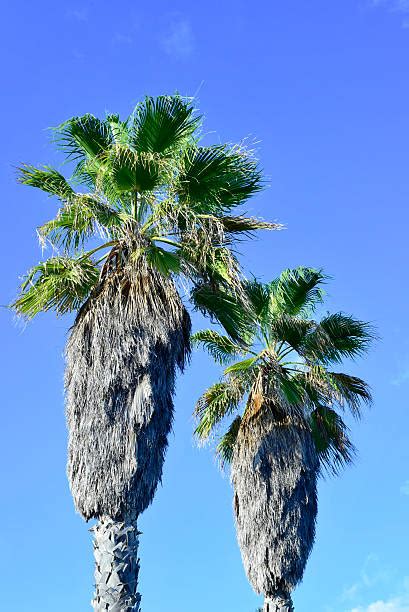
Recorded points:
(323,88)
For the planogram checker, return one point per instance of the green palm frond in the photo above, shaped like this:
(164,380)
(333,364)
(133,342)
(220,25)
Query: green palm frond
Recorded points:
(259,297)
(282,328)
(85,136)
(119,129)
(225,309)
(338,336)
(219,401)
(129,171)
(162,125)
(242,366)
(59,283)
(350,391)
(331,438)
(216,179)
(166,262)
(297,292)
(83,217)
(292,391)
(220,347)
(47,179)
(225,447)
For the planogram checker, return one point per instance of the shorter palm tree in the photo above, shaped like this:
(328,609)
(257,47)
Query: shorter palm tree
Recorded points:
(288,427)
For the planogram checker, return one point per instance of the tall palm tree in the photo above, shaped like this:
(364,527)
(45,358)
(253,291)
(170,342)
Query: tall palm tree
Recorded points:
(289,425)
(151,206)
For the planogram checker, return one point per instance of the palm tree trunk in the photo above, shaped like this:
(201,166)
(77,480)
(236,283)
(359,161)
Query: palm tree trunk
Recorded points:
(279,602)
(116,565)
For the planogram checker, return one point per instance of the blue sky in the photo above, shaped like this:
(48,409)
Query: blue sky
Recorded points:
(323,89)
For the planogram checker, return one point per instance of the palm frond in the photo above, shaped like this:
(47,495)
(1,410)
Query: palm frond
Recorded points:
(163,124)
(217,402)
(225,309)
(292,391)
(47,179)
(338,336)
(119,129)
(331,438)
(216,179)
(166,262)
(287,329)
(246,225)
(131,171)
(350,391)
(59,283)
(259,297)
(85,136)
(220,347)
(225,447)
(83,217)
(297,291)
(242,366)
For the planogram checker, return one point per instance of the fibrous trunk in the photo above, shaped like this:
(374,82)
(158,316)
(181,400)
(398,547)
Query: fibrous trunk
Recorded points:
(116,566)
(280,602)
(274,475)
(122,355)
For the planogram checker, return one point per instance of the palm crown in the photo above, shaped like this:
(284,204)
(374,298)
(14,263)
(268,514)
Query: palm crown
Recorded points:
(148,190)
(283,364)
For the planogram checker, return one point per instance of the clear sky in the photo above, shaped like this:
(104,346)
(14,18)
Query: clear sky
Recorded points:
(323,88)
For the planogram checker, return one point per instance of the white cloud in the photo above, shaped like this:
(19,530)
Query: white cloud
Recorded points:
(393,605)
(398,603)
(405,488)
(372,574)
(179,42)
(394,6)
(397,6)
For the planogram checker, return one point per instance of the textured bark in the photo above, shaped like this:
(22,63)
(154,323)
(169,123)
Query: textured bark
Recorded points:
(274,475)
(280,602)
(116,566)
(122,356)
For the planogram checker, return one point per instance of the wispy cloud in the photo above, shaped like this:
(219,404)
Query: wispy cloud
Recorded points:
(179,41)
(394,6)
(405,488)
(395,603)
(397,6)
(371,574)
(78,14)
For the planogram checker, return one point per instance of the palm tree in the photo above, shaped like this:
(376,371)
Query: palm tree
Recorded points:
(151,206)
(289,427)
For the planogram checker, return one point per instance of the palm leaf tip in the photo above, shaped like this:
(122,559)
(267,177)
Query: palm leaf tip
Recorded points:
(339,336)
(238,224)
(47,179)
